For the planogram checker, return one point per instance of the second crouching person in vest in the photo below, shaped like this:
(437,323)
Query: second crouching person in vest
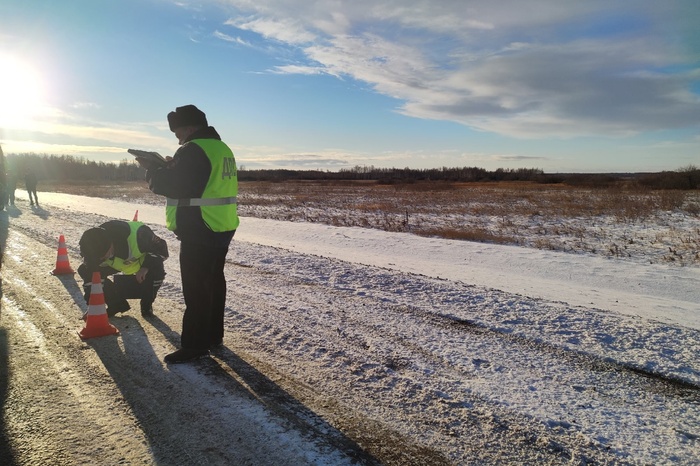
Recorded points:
(133,255)
(200,183)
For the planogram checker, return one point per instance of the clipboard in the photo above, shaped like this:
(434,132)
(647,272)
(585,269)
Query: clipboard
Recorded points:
(152,157)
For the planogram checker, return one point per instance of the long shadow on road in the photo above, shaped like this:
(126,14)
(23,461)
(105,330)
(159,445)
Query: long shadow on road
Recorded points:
(6,454)
(144,384)
(142,380)
(227,364)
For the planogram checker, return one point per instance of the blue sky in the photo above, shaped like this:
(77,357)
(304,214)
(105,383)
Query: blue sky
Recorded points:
(565,86)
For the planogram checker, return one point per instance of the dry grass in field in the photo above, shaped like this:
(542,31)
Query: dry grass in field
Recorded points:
(652,226)
(644,225)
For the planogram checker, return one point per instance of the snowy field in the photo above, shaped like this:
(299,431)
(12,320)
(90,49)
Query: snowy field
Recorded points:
(484,353)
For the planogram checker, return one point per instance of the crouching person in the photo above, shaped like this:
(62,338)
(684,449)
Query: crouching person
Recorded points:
(133,254)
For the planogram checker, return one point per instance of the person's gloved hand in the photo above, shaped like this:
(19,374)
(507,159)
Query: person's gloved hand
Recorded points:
(144,163)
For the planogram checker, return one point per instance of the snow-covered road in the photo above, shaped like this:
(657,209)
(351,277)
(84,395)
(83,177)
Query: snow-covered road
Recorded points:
(663,292)
(427,351)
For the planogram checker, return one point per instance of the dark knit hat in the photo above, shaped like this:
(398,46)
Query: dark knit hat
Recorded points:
(188,115)
(94,244)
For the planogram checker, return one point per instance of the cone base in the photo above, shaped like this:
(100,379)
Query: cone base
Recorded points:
(97,326)
(62,271)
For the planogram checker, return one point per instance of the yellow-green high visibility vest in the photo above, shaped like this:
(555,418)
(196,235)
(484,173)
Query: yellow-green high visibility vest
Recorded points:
(218,202)
(131,264)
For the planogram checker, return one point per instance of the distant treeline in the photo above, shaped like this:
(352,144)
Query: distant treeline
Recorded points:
(393,175)
(69,168)
(685,178)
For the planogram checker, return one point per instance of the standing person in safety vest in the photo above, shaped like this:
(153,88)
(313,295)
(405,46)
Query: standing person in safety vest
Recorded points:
(200,183)
(129,249)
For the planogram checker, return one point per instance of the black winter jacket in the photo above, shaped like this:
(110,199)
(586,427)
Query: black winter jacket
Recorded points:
(185,177)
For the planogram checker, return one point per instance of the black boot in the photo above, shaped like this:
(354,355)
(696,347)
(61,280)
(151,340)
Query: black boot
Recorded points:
(185,355)
(148,298)
(117,307)
(146,308)
(115,302)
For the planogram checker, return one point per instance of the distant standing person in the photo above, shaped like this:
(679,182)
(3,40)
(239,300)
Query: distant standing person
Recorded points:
(30,184)
(11,187)
(200,183)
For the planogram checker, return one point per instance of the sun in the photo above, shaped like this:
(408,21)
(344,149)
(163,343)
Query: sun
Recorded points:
(22,92)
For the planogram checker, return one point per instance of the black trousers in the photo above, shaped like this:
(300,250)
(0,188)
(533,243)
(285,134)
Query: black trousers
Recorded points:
(32,196)
(125,286)
(204,290)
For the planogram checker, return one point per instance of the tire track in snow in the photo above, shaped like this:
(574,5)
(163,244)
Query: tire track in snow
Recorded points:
(381,356)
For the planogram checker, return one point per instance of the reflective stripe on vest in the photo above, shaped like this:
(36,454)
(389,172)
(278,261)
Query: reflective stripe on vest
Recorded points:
(218,203)
(201,202)
(131,264)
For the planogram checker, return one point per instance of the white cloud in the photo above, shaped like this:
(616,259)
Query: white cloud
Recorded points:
(284,29)
(534,68)
(23,146)
(227,38)
(59,132)
(300,69)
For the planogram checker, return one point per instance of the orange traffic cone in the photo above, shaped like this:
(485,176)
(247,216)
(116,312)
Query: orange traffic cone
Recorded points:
(96,322)
(62,264)
(136,216)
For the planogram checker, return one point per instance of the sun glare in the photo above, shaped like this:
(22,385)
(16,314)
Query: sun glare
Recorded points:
(21,92)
